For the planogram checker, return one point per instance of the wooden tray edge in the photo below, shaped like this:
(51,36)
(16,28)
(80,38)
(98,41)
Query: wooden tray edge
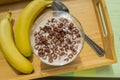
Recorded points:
(108,40)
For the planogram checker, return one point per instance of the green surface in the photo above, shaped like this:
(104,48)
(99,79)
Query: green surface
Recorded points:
(86,73)
(113,7)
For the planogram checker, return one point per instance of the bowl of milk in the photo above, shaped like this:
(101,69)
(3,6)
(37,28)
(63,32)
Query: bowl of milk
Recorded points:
(57,38)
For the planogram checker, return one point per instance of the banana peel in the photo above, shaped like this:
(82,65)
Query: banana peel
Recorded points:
(9,49)
(24,24)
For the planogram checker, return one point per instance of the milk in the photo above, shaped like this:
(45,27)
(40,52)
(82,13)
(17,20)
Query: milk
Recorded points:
(61,59)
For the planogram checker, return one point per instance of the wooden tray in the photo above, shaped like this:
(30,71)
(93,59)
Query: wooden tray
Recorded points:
(95,21)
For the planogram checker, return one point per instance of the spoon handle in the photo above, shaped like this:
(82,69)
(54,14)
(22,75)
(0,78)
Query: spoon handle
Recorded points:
(98,49)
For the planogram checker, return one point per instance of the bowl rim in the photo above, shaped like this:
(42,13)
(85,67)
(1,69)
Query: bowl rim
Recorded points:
(80,29)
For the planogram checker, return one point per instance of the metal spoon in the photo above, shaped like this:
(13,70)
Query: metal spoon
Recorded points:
(59,6)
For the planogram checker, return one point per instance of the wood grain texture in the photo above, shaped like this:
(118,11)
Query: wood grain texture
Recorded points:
(4,2)
(87,13)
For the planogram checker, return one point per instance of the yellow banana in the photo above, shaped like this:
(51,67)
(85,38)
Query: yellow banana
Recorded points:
(10,51)
(24,23)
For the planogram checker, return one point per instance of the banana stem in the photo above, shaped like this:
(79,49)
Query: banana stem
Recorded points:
(8,15)
(49,2)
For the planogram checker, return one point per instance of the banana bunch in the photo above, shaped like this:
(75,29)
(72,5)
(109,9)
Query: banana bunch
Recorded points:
(24,23)
(10,52)
(15,53)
